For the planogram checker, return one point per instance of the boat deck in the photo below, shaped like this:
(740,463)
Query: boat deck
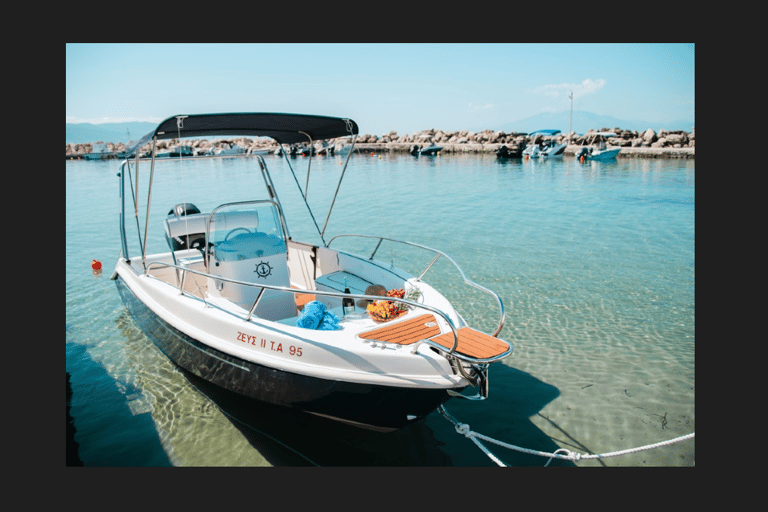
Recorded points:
(472,343)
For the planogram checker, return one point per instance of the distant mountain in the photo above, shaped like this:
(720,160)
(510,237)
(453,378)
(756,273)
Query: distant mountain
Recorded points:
(585,121)
(78,133)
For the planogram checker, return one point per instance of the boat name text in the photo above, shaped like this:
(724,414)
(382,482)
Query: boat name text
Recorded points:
(263,343)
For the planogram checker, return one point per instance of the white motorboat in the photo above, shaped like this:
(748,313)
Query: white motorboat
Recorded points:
(176,151)
(224,300)
(599,150)
(323,148)
(541,147)
(342,149)
(233,150)
(99,151)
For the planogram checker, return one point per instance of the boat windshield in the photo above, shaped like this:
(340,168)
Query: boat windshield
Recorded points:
(244,232)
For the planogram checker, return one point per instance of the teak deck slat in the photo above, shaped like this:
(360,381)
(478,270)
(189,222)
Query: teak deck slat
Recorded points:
(405,333)
(472,343)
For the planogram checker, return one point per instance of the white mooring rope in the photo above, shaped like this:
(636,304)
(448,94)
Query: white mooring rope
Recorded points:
(463,428)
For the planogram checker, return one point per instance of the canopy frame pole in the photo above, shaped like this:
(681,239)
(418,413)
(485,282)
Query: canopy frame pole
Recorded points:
(134,198)
(309,163)
(304,196)
(149,202)
(349,155)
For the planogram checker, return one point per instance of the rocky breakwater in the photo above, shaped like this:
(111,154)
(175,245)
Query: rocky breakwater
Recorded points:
(197,147)
(645,144)
(648,143)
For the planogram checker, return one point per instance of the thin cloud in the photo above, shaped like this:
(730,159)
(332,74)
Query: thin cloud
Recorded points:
(584,88)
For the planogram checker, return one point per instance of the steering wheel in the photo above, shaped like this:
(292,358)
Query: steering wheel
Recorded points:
(237,229)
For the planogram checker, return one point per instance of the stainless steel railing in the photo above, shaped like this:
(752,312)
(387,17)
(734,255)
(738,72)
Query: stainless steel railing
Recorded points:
(182,278)
(437,253)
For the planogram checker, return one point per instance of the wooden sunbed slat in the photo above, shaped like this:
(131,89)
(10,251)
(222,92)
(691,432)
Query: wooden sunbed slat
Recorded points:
(406,332)
(473,343)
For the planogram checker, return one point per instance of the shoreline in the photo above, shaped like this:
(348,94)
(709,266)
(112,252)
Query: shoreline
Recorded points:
(400,147)
(626,152)
(647,144)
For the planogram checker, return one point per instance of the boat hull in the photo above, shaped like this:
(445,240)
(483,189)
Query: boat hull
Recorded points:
(607,154)
(505,152)
(372,406)
(556,151)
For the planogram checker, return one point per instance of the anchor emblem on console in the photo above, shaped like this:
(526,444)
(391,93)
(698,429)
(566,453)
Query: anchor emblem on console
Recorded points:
(263,269)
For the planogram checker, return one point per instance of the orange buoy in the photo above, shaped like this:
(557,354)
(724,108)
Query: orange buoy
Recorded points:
(96,265)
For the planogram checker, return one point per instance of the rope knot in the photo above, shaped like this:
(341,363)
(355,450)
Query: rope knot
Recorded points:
(463,428)
(568,455)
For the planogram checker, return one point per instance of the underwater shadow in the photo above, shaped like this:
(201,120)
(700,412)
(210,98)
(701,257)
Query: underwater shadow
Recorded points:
(514,398)
(72,446)
(289,437)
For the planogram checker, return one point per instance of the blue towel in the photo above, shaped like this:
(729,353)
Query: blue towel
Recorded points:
(315,316)
(330,322)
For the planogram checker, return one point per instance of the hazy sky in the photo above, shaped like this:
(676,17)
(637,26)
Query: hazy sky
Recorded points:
(403,87)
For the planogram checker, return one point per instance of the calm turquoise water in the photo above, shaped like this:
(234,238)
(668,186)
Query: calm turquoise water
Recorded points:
(595,264)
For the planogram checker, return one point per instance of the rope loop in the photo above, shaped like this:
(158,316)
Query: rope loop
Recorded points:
(561,453)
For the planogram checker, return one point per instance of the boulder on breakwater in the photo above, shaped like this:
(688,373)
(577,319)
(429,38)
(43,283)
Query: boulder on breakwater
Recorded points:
(624,138)
(648,143)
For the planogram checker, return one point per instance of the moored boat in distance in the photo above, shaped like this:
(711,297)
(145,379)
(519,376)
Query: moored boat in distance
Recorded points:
(99,151)
(597,149)
(432,149)
(235,300)
(544,145)
(504,151)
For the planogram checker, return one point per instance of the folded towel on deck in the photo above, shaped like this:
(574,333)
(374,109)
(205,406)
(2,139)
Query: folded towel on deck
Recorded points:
(315,316)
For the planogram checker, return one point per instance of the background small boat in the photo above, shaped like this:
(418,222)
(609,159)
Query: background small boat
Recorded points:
(506,152)
(600,151)
(544,148)
(432,149)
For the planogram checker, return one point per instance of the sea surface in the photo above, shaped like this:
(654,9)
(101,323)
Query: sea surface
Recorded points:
(595,264)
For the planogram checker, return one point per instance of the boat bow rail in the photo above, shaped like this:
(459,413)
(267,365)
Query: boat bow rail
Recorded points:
(438,254)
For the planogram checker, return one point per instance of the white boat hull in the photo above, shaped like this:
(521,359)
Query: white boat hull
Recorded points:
(598,154)
(605,154)
(556,151)
(333,373)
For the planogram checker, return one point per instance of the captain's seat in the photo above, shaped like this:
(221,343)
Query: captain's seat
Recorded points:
(249,246)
